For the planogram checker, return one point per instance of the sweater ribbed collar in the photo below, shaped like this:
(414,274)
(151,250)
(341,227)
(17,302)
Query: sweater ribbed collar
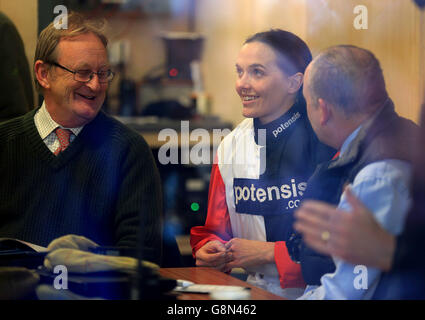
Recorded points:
(42,151)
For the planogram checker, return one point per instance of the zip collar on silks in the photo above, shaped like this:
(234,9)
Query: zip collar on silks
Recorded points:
(280,127)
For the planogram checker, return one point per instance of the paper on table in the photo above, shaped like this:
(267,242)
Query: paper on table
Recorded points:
(207,288)
(20,244)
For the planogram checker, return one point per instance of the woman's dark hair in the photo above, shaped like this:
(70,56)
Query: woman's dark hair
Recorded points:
(294,51)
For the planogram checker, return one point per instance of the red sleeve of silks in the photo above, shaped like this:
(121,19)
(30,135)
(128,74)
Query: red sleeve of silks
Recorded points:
(217,225)
(289,272)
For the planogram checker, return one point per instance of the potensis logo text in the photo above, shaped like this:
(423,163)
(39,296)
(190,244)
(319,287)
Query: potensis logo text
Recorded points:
(252,196)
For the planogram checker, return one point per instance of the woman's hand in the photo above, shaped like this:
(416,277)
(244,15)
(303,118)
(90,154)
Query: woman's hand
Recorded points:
(213,254)
(246,253)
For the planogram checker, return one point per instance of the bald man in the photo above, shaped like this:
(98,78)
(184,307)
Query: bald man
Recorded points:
(357,237)
(349,109)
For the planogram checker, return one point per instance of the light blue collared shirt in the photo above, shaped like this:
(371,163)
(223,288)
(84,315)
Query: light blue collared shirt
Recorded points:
(46,128)
(383,187)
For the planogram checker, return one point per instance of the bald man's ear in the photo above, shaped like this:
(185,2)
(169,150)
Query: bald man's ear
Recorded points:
(295,82)
(41,71)
(325,111)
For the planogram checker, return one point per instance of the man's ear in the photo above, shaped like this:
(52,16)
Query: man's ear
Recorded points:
(41,71)
(325,111)
(295,82)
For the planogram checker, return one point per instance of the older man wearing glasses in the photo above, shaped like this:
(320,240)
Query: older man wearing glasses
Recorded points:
(67,167)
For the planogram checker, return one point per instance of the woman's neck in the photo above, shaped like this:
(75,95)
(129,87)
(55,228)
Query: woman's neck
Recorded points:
(284,109)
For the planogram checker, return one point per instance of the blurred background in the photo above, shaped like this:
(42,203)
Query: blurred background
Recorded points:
(174,60)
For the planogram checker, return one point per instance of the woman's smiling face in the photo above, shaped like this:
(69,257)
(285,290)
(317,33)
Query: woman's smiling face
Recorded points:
(261,84)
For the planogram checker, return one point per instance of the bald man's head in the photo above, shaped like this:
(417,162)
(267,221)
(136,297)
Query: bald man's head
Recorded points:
(349,78)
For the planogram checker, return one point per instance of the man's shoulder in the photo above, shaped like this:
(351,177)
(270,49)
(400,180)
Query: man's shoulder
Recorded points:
(392,138)
(118,132)
(381,180)
(385,169)
(15,127)
(383,187)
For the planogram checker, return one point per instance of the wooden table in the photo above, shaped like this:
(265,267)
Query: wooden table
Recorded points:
(202,275)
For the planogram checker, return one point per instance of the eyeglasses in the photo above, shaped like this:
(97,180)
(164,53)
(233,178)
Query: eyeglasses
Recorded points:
(87,75)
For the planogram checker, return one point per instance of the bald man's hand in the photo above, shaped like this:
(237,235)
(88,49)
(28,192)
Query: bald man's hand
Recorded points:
(353,236)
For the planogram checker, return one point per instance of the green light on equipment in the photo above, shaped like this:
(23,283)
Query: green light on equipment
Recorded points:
(194,206)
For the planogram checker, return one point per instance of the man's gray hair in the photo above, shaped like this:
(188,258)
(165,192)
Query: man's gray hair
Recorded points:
(348,77)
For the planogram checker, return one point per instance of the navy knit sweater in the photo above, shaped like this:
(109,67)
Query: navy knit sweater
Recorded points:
(98,187)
